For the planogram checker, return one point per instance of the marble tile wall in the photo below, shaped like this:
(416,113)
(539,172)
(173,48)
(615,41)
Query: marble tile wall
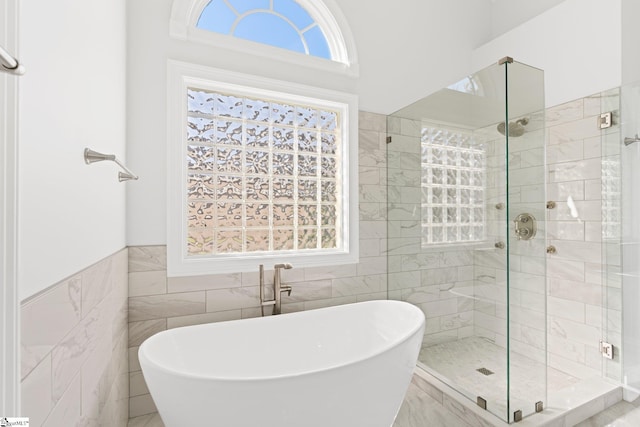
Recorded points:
(74,349)
(577,155)
(438,280)
(462,288)
(157,302)
(527,287)
(582,165)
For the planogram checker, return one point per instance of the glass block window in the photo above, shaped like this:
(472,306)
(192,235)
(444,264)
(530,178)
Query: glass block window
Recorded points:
(262,175)
(453,185)
(280,23)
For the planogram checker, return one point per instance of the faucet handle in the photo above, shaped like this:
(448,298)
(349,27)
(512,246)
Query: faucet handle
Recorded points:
(287,289)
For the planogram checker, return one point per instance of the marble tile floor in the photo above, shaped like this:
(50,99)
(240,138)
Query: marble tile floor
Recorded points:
(622,414)
(421,410)
(150,420)
(458,361)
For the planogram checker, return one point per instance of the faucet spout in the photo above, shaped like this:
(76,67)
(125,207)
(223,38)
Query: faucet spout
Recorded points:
(286,266)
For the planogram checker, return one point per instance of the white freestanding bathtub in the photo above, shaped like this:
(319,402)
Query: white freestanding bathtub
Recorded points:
(348,365)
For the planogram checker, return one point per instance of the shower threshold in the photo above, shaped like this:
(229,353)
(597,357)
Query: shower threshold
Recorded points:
(566,408)
(458,362)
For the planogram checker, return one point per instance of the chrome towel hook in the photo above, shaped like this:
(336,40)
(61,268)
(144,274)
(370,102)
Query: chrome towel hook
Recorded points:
(91,156)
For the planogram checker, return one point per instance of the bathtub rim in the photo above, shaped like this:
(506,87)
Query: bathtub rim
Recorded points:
(406,337)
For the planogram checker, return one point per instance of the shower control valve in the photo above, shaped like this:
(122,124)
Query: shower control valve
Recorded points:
(522,233)
(525,226)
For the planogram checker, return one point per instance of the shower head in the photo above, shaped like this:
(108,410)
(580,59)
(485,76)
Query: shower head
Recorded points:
(629,141)
(515,128)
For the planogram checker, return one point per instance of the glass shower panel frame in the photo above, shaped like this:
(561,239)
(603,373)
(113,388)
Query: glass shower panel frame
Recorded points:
(447,152)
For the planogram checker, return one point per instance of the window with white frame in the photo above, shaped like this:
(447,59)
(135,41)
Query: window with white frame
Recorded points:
(302,32)
(261,170)
(453,185)
(262,174)
(258,172)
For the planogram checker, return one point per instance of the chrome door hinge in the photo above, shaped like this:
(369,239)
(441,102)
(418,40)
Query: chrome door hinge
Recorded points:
(517,415)
(605,120)
(606,349)
(481,402)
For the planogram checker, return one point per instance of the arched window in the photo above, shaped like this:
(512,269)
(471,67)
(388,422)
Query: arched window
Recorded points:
(310,28)
(258,173)
(280,23)
(261,168)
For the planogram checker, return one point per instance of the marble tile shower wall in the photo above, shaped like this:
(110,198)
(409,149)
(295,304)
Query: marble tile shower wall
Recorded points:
(157,303)
(439,281)
(74,349)
(575,153)
(462,288)
(527,287)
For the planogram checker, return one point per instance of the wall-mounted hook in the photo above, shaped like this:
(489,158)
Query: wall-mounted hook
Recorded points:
(91,156)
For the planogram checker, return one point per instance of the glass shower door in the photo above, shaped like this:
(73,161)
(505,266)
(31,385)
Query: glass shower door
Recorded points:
(527,247)
(461,168)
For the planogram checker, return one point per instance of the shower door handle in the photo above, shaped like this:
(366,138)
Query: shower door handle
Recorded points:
(525,226)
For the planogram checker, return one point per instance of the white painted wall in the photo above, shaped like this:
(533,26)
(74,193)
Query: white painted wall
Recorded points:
(577,44)
(508,14)
(630,38)
(73,96)
(409,49)
(9,303)
(406,50)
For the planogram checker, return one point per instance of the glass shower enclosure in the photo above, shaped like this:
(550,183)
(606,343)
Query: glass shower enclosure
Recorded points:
(466,215)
